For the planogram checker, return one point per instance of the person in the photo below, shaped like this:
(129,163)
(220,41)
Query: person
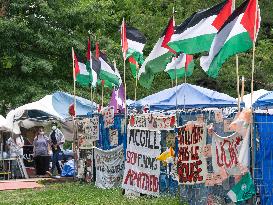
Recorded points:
(40,152)
(56,141)
(15,144)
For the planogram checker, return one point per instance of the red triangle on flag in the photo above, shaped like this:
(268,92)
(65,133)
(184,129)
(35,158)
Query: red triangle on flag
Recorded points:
(223,15)
(168,35)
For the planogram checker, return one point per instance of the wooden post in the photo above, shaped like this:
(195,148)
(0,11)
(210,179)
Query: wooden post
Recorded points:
(136,80)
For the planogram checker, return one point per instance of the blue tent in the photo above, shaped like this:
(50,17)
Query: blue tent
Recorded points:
(188,96)
(265,100)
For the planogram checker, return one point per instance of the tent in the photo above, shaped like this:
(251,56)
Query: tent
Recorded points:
(256,95)
(265,101)
(188,96)
(54,106)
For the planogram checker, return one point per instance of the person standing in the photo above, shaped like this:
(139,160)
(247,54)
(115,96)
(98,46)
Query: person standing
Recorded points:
(56,141)
(40,152)
(15,144)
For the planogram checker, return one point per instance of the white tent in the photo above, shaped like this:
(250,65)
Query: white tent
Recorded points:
(256,95)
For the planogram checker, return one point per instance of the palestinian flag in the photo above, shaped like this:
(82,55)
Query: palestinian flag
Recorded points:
(105,83)
(136,42)
(134,65)
(196,33)
(124,42)
(235,36)
(158,58)
(81,75)
(107,71)
(180,66)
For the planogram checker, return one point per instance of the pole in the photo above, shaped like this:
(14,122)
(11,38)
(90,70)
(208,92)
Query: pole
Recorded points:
(238,82)
(124,71)
(75,147)
(102,84)
(136,80)
(252,87)
(243,89)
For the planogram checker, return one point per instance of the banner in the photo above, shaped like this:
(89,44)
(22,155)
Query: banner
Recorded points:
(109,167)
(152,122)
(88,131)
(113,136)
(108,116)
(231,153)
(142,170)
(191,164)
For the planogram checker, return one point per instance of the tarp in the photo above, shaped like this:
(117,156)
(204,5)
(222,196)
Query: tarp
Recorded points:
(188,96)
(55,105)
(256,95)
(264,101)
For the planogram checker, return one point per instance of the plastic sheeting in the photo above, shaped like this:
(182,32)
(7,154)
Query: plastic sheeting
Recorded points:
(264,157)
(188,96)
(265,101)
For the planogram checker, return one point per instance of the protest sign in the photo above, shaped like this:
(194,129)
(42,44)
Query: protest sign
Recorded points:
(108,116)
(88,131)
(113,136)
(109,167)
(231,153)
(142,170)
(152,122)
(191,164)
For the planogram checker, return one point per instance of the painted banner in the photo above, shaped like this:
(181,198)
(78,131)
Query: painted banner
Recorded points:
(88,131)
(152,122)
(113,136)
(109,167)
(142,170)
(108,116)
(230,153)
(191,164)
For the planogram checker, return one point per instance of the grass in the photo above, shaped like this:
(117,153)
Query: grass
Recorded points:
(74,193)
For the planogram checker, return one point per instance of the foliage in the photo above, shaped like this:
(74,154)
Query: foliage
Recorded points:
(36,37)
(77,193)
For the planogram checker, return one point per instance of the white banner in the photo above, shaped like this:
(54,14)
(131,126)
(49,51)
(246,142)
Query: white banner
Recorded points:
(230,153)
(152,122)
(142,170)
(88,131)
(109,167)
(191,164)
(108,116)
(113,136)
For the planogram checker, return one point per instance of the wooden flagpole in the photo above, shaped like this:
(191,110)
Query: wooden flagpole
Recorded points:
(75,147)
(243,89)
(252,88)
(124,71)
(136,80)
(102,84)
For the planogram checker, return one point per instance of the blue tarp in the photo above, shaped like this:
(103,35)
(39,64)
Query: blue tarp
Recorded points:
(188,96)
(264,101)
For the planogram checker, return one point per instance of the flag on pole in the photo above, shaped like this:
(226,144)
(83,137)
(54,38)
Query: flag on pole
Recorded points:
(158,58)
(243,190)
(196,33)
(80,73)
(183,64)
(89,64)
(118,100)
(235,36)
(124,42)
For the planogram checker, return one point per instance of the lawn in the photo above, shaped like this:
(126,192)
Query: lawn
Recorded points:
(77,193)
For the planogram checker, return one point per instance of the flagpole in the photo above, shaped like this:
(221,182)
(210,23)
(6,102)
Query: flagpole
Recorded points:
(102,84)
(238,82)
(252,87)
(124,75)
(75,147)
(136,80)
(243,89)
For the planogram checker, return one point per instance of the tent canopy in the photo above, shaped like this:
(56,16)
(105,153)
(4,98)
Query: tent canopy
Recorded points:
(188,96)
(256,95)
(265,100)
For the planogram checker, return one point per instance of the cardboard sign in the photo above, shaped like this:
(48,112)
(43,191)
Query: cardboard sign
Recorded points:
(191,164)
(113,135)
(108,116)
(152,122)
(109,167)
(227,123)
(88,131)
(142,169)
